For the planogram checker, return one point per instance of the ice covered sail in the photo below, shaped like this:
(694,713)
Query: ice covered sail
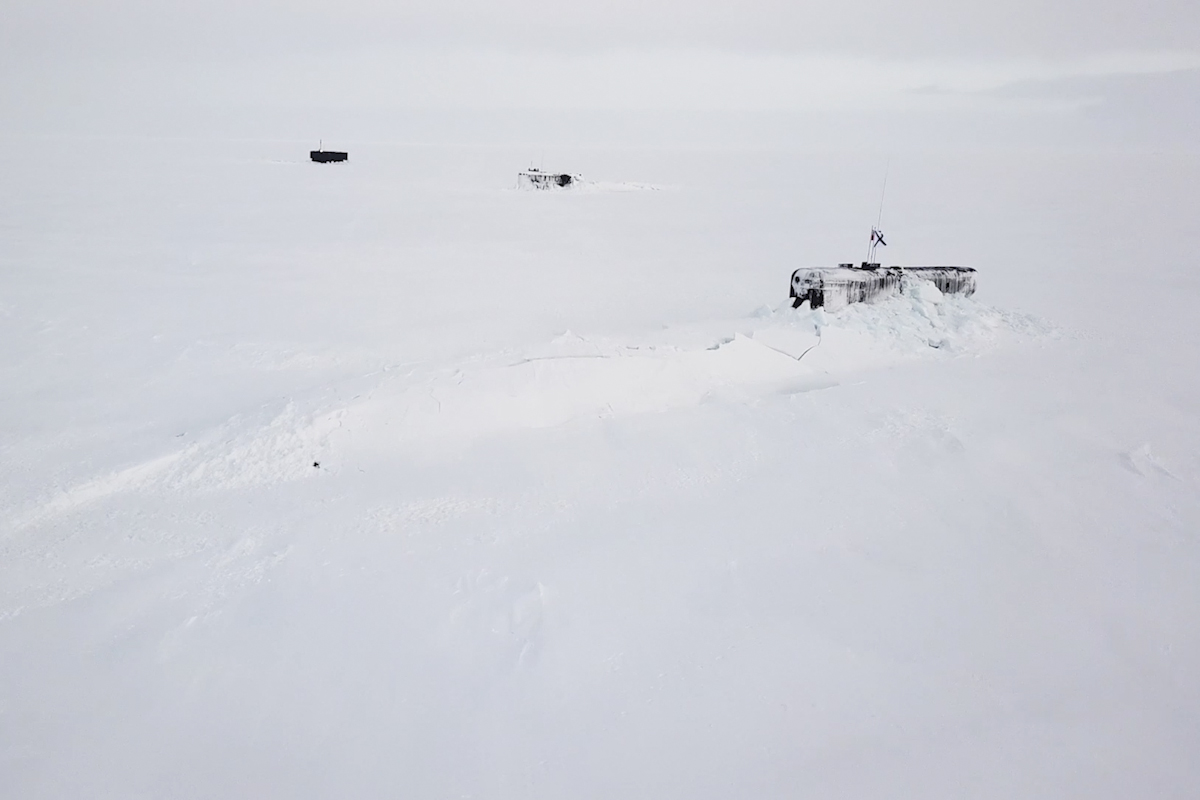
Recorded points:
(834,287)
(534,178)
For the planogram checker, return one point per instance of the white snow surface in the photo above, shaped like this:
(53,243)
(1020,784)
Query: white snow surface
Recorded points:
(383,479)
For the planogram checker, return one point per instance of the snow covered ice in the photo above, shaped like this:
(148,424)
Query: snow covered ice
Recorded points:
(386,479)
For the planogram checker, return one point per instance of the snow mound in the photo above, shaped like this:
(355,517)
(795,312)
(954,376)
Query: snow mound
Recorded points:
(616,186)
(565,379)
(920,323)
(582,186)
(573,377)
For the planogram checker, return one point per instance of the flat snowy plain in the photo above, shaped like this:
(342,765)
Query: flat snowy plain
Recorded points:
(582,526)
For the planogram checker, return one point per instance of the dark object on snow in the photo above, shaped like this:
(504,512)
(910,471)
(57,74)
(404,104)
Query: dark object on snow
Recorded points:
(838,286)
(325,156)
(535,178)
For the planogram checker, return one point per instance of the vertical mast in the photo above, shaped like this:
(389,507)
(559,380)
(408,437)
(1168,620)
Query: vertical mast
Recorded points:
(876,233)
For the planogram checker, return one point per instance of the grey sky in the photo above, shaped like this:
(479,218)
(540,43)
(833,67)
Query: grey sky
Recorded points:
(925,28)
(1022,57)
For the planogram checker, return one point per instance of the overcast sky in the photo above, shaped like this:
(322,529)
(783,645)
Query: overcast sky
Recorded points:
(1021,56)
(916,28)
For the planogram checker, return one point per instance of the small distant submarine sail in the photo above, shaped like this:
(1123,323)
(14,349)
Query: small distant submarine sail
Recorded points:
(534,178)
(834,287)
(323,156)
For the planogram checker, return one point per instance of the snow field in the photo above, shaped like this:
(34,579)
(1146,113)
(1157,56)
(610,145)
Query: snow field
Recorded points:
(584,523)
(569,378)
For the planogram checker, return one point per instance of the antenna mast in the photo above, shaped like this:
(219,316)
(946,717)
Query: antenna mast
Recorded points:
(876,233)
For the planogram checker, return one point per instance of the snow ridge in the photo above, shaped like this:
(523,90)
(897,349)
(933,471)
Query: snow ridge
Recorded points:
(567,379)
